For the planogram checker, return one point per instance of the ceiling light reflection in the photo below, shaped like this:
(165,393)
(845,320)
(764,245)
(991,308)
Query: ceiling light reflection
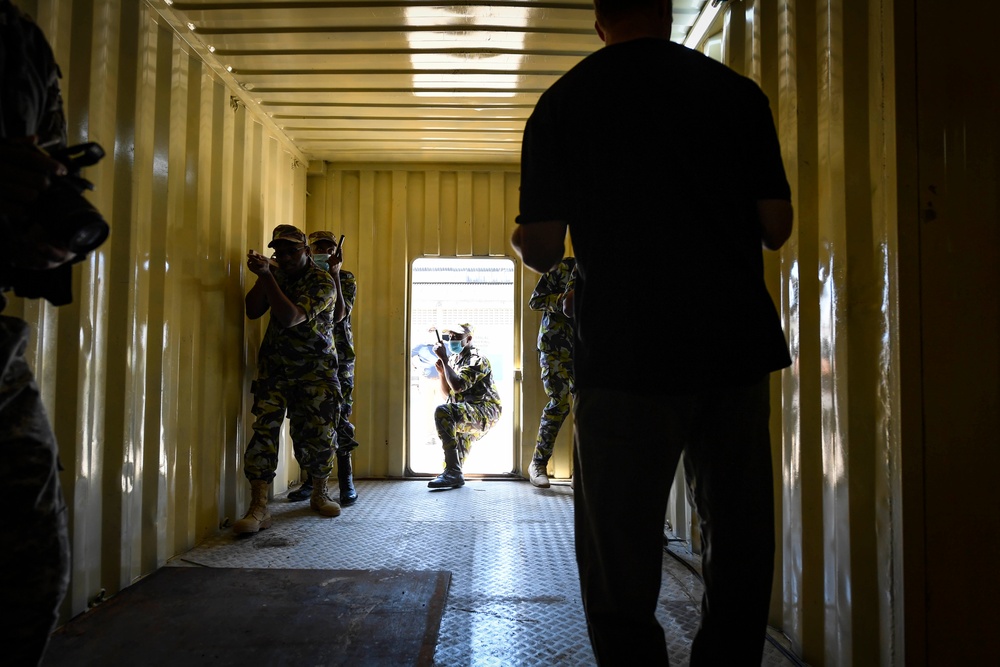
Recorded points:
(451,66)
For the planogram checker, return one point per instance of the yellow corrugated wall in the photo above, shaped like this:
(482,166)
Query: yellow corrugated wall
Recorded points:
(827,66)
(146,374)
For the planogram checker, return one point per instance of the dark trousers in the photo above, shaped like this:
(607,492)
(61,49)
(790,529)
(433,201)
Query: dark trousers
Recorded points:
(627,449)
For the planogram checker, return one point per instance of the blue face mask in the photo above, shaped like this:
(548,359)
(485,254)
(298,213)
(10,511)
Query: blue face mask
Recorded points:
(455,346)
(322,261)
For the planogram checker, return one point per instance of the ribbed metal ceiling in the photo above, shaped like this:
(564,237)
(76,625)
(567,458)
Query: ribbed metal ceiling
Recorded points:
(377,81)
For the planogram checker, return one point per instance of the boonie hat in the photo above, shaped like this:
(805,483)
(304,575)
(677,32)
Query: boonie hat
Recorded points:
(289,233)
(321,236)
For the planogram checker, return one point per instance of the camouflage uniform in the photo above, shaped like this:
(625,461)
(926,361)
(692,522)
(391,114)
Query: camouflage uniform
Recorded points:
(345,354)
(470,414)
(35,559)
(297,373)
(555,353)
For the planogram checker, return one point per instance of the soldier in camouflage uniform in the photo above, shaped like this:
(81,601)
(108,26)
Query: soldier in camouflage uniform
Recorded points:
(296,372)
(553,297)
(35,559)
(327,255)
(473,405)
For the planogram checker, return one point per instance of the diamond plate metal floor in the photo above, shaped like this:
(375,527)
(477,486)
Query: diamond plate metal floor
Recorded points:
(514,598)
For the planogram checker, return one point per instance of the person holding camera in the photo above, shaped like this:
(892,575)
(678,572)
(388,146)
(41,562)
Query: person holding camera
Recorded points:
(473,402)
(39,197)
(646,146)
(553,296)
(296,373)
(328,254)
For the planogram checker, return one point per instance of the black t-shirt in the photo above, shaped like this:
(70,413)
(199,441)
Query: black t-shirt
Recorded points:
(656,155)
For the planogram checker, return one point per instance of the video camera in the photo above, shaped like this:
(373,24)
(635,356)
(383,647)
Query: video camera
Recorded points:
(67,220)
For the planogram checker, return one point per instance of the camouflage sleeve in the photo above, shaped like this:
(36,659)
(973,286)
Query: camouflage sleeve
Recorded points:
(571,282)
(474,371)
(31,104)
(319,294)
(349,285)
(548,294)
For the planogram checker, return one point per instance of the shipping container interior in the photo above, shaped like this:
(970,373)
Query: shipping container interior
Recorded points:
(398,125)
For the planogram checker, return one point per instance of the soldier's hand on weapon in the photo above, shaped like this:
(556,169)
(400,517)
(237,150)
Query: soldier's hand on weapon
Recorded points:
(336,259)
(258,263)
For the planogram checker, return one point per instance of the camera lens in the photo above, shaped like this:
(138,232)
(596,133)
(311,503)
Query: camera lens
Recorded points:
(71,221)
(87,233)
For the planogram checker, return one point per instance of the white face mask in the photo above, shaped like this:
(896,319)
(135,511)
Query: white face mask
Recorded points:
(322,261)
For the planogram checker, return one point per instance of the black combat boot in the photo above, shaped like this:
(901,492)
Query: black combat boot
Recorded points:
(303,492)
(348,495)
(451,478)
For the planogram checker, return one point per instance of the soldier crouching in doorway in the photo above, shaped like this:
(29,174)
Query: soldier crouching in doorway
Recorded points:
(473,402)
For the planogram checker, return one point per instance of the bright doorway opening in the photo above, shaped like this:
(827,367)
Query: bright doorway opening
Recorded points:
(479,291)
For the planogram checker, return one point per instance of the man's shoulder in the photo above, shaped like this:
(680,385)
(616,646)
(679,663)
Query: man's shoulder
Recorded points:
(15,13)
(317,274)
(21,26)
(637,56)
(13,17)
(476,358)
(713,75)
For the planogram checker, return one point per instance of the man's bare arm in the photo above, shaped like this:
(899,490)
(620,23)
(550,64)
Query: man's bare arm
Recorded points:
(334,263)
(450,380)
(443,387)
(266,294)
(775,222)
(340,305)
(540,245)
(287,313)
(256,301)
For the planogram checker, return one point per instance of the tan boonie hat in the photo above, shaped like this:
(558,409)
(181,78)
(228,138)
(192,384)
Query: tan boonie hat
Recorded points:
(458,328)
(321,236)
(289,233)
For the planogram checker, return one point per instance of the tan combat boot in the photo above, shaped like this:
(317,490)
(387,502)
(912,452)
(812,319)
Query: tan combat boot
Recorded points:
(320,501)
(257,517)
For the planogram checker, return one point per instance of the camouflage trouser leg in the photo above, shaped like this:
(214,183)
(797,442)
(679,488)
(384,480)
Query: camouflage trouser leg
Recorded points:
(557,379)
(461,424)
(345,429)
(312,412)
(35,558)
